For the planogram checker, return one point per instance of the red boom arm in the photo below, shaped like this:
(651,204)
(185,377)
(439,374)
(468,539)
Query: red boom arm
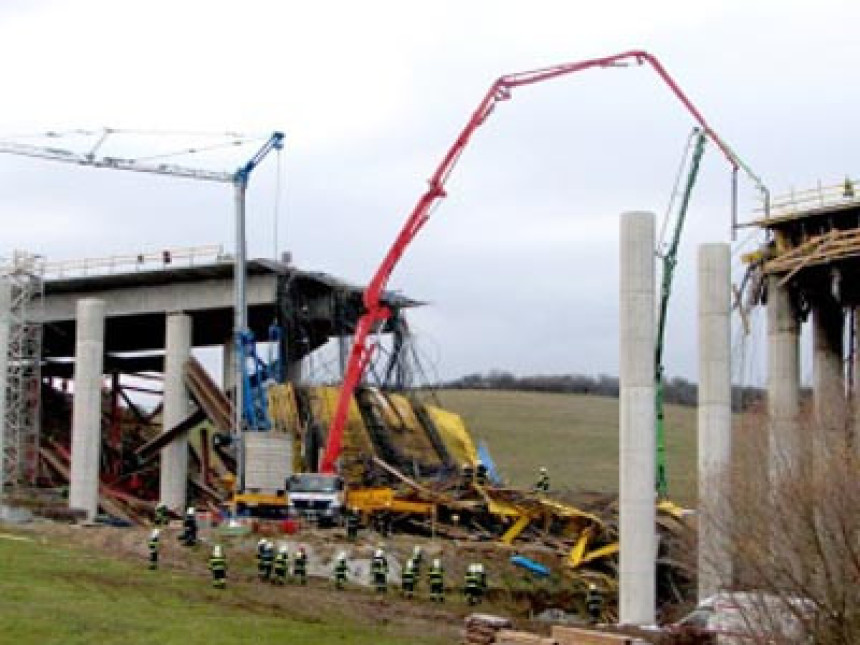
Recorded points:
(499,91)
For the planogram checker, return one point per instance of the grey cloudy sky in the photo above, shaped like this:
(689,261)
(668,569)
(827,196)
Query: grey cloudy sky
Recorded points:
(519,263)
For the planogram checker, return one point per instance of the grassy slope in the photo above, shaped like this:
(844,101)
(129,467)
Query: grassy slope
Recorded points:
(51,594)
(575,436)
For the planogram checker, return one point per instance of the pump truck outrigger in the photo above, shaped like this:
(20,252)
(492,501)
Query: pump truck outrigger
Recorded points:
(376,313)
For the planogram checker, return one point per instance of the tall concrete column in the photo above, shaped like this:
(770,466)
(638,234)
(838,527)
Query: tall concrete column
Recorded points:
(714,418)
(87,406)
(783,379)
(829,400)
(174,456)
(5,329)
(638,468)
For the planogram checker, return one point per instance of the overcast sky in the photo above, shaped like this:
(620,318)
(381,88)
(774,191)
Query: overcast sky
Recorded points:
(519,264)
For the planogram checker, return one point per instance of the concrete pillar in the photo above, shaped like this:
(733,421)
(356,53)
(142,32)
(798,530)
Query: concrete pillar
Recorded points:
(714,419)
(638,538)
(5,328)
(783,379)
(830,404)
(174,456)
(87,406)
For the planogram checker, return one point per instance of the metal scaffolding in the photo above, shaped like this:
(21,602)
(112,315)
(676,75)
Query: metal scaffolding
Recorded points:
(21,302)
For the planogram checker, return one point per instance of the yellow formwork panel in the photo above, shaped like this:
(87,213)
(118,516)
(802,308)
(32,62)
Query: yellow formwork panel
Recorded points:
(516,528)
(283,409)
(454,435)
(323,401)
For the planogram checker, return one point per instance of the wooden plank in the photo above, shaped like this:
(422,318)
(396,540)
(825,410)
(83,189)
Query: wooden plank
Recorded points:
(150,448)
(577,636)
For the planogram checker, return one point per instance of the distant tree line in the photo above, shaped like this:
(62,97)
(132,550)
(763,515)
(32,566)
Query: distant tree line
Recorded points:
(675,390)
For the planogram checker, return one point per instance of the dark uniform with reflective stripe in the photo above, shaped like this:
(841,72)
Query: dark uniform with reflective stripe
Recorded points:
(594,604)
(266,561)
(379,567)
(407,579)
(472,589)
(340,571)
(154,546)
(543,483)
(281,564)
(300,567)
(437,584)
(218,567)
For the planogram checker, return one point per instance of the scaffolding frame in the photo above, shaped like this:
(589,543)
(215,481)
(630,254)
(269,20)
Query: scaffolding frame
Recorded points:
(21,312)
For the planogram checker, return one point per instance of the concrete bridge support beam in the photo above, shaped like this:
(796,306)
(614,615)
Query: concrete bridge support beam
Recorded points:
(786,444)
(638,538)
(714,418)
(174,456)
(87,407)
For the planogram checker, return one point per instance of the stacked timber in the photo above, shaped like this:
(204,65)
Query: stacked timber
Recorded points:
(481,629)
(577,636)
(511,637)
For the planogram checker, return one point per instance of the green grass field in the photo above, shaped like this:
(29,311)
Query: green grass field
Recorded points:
(52,594)
(574,436)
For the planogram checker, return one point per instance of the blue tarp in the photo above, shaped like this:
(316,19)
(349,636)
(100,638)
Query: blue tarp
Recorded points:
(527,563)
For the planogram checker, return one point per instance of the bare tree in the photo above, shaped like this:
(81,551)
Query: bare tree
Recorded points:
(794,532)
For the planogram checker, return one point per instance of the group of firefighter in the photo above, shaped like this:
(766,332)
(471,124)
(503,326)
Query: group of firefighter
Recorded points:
(279,568)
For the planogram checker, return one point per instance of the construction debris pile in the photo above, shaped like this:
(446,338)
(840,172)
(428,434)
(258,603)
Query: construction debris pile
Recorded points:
(408,466)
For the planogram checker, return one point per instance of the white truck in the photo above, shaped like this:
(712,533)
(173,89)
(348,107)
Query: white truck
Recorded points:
(316,497)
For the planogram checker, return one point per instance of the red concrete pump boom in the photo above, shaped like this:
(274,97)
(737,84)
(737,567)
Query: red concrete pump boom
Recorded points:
(500,90)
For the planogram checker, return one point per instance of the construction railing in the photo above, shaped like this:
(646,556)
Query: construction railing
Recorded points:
(164,259)
(818,198)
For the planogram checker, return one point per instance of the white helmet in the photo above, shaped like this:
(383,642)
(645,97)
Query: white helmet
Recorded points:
(379,553)
(270,544)
(216,551)
(341,556)
(479,568)
(437,563)
(543,469)
(262,542)
(190,511)
(155,533)
(283,549)
(416,550)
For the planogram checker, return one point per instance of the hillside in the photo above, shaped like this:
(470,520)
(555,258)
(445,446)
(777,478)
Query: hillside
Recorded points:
(574,435)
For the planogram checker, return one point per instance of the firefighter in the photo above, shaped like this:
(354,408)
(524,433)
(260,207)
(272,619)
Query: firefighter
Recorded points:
(218,567)
(482,576)
(848,188)
(594,603)
(407,579)
(480,474)
(437,581)
(352,522)
(468,476)
(261,549)
(282,562)
(154,547)
(379,568)
(542,485)
(417,560)
(340,571)
(161,517)
(300,565)
(472,586)
(267,561)
(189,528)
